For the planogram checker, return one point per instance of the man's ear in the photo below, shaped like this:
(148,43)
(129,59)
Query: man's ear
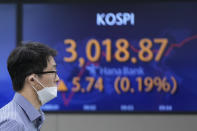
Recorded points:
(31,79)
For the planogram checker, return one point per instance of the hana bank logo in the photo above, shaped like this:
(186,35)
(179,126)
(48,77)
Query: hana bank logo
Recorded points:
(118,19)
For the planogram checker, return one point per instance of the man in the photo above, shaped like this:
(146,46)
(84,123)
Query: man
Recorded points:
(34,78)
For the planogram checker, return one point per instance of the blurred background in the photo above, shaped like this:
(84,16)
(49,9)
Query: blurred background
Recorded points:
(123,65)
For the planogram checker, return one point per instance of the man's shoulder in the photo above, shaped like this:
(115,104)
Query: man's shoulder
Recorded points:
(11,125)
(9,111)
(9,118)
(11,106)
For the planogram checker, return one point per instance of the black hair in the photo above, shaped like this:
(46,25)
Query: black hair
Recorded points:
(26,59)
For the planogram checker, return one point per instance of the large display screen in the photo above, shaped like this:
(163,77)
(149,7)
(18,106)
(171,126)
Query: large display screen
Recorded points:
(138,57)
(7,44)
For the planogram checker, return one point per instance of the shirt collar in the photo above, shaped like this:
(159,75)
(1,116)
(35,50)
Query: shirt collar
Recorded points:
(29,109)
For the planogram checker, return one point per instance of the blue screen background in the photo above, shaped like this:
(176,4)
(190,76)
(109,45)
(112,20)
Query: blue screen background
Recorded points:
(53,23)
(8,42)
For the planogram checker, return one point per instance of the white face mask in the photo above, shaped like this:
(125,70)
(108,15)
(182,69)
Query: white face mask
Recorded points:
(46,94)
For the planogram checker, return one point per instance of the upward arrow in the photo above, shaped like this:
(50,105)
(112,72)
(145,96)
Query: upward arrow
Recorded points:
(62,86)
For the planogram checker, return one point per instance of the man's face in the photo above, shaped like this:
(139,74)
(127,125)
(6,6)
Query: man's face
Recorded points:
(49,79)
